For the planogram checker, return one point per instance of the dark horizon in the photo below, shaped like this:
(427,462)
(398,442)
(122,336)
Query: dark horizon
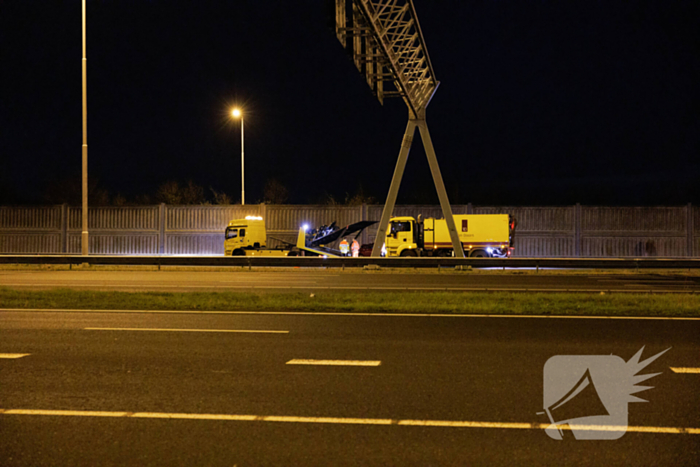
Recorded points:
(539,103)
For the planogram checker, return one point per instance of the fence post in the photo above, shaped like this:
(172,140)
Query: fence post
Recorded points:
(363,217)
(577,230)
(690,222)
(470,208)
(161,229)
(64,228)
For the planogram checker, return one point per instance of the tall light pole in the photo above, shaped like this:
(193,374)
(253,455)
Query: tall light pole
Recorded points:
(236,113)
(84,235)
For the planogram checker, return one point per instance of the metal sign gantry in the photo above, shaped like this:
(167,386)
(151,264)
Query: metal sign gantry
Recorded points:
(387,46)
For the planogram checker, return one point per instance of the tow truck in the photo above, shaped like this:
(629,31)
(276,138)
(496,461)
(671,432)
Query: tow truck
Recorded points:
(248,237)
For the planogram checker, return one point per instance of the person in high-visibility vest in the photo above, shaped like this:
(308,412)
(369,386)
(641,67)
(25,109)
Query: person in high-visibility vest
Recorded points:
(355,247)
(344,247)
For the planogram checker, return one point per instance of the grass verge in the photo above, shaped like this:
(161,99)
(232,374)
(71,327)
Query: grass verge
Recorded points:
(678,305)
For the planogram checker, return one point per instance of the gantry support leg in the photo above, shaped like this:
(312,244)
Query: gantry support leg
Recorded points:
(440,187)
(396,183)
(394,188)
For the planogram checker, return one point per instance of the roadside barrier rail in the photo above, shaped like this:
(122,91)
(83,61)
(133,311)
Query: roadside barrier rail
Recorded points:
(363,262)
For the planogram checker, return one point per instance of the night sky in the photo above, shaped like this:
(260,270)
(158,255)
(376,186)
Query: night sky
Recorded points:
(540,102)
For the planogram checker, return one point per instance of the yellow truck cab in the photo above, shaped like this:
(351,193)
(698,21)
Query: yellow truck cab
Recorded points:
(482,235)
(244,234)
(402,237)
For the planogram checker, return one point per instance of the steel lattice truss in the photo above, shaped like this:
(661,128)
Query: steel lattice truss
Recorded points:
(387,45)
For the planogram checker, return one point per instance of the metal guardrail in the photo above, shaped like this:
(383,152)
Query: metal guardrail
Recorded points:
(317,262)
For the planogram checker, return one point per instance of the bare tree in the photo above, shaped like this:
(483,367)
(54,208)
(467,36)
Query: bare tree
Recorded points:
(70,191)
(360,197)
(169,193)
(193,194)
(274,192)
(173,193)
(221,198)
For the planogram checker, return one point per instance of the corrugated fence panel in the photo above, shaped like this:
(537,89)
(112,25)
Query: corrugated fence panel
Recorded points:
(75,218)
(290,218)
(634,231)
(631,219)
(633,246)
(115,218)
(696,230)
(556,247)
(30,229)
(127,218)
(195,244)
(206,218)
(128,230)
(542,231)
(30,218)
(115,243)
(536,219)
(30,242)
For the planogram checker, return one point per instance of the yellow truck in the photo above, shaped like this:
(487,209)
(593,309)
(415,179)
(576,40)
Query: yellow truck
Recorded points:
(248,237)
(482,235)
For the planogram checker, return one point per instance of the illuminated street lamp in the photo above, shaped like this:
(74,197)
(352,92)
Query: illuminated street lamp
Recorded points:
(236,113)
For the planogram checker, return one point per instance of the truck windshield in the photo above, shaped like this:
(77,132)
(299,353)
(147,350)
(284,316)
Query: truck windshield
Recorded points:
(231,233)
(400,227)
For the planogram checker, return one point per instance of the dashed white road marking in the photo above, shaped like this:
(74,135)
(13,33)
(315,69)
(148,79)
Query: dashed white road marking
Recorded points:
(685,370)
(300,361)
(13,355)
(263,331)
(349,421)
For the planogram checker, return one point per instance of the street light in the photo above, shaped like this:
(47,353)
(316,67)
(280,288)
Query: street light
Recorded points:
(236,113)
(84,233)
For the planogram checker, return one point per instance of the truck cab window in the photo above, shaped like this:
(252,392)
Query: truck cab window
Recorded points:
(242,232)
(400,227)
(231,233)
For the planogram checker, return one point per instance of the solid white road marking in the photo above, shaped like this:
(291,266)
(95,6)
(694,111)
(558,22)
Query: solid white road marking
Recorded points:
(685,370)
(13,355)
(300,361)
(328,313)
(187,330)
(358,287)
(350,421)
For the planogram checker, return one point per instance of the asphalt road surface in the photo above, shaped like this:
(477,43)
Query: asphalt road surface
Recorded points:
(311,280)
(79,388)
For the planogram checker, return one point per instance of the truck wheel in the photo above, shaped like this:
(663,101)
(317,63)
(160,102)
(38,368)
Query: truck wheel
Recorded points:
(409,253)
(238,252)
(479,254)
